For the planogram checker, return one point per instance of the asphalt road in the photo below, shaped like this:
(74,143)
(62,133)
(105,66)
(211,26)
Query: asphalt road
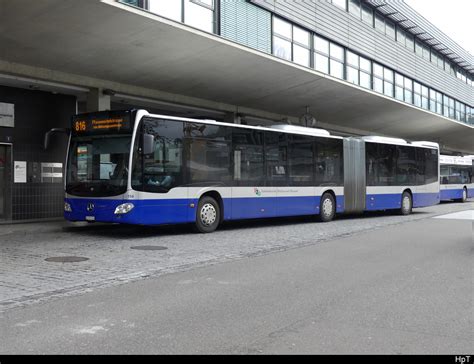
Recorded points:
(398,289)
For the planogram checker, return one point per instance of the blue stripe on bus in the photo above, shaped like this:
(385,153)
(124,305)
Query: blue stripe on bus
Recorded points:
(173,211)
(376,202)
(455,194)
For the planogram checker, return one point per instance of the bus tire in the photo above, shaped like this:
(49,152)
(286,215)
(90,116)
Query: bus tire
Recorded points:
(407,203)
(327,207)
(464,195)
(208,215)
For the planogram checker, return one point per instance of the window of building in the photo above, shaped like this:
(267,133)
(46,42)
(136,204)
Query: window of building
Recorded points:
(399,86)
(401,36)
(358,69)
(379,23)
(367,15)
(439,103)
(197,13)
(390,29)
(321,54)
(416,94)
(336,62)
(354,8)
(341,3)
(424,98)
(291,42)
(383,80)
(169,9)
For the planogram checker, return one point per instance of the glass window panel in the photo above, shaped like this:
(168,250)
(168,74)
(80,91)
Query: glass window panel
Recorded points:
(418,49)
(337,52)
(354,7)
(378,85)
(199,16)
(301,160)
(321,45)
(408,96)
(426,53)
(340,3)
(398,79)
(417,87)
(424,103)
(367,15)
(281,27)
(408,83)
(364,64)
(282,48)
(364,80)
(400,36)
(301,55)
(424,91)
(352,59)
(399,93)
(378,70)
(301,36)
(321,63)
(353,75)
(409,42)
(379,23)
(388,89)
(417,100)
(388,74)
(336,69)
(166,8)
(390,29)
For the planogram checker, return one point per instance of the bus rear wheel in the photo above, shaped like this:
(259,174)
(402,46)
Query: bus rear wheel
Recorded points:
(208,215)
(327,208)
(407,203)
(464,195)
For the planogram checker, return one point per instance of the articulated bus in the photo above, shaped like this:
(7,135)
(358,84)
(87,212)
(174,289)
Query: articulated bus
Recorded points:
(137,168)
(456,178)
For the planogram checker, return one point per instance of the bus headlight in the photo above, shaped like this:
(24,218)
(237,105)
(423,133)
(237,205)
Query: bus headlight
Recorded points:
(67,207)
(124,208)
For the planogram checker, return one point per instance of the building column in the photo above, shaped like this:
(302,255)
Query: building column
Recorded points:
(97,101)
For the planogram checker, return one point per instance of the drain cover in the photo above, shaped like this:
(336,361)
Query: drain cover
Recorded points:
(149,247)
(66,259)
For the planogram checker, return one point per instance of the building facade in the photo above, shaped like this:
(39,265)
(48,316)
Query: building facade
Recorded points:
(358,66)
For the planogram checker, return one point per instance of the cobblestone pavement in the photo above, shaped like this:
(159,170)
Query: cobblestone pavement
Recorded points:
(26,277)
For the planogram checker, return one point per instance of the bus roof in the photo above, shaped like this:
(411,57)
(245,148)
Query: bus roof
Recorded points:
(398,141)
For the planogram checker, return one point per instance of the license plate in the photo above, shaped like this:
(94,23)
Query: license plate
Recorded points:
(90,218)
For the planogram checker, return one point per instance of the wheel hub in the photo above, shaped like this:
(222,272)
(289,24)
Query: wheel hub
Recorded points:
(208,214)
(327,207)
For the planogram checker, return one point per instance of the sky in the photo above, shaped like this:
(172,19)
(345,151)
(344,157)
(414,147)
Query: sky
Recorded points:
(452,17)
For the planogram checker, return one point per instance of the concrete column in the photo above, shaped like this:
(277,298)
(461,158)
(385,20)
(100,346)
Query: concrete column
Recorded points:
(97,101)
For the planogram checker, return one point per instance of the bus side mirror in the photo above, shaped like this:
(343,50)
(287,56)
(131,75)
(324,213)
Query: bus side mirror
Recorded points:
(47,136)
(148,144)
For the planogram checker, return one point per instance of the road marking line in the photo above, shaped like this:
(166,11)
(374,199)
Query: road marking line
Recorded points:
(462,215)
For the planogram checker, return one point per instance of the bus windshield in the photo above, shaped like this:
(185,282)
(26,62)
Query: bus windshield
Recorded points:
(98,165)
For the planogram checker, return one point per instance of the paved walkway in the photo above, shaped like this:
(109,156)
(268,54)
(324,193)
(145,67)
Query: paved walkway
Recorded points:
(27,277)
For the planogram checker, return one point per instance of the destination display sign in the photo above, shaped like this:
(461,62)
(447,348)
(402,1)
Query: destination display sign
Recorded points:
(107,122)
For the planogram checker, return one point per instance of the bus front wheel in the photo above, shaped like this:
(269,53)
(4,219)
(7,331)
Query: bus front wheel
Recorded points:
(407,203)
(327,208)
(208,215)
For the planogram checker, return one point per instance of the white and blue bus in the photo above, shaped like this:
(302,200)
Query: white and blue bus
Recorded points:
(456,178)
(137,168)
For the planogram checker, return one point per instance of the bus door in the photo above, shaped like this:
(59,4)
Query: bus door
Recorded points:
(5,181)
